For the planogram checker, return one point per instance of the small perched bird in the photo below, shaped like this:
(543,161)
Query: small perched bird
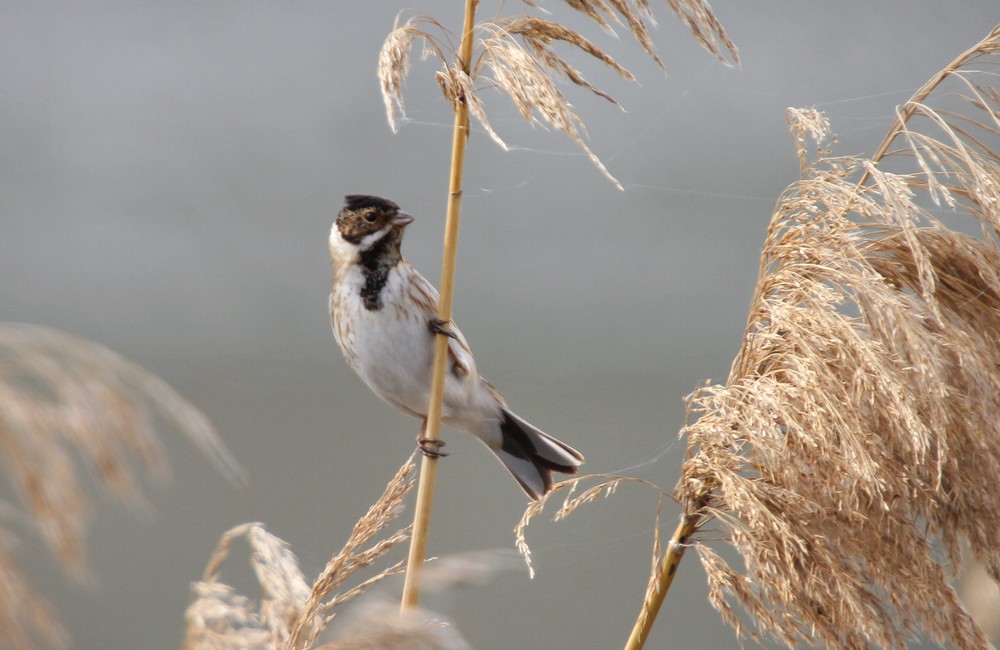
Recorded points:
(384,317)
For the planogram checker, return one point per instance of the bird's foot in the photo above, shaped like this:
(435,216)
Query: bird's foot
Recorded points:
(439,326)
(431,447)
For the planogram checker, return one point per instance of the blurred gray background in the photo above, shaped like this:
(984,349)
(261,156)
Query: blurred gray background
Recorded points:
(168,175)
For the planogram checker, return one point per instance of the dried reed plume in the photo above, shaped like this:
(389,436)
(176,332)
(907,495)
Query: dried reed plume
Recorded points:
(854,447)
(60,397)
(290,614)
(518,57)
(606,485)
(221,618)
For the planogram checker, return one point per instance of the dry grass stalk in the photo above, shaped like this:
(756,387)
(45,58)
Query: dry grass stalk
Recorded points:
(290,613)
(606,485)
(315,613)
(62,397)
(661,577)
(844,456)
(518,57)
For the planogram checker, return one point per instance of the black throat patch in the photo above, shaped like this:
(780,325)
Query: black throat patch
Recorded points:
(376,263)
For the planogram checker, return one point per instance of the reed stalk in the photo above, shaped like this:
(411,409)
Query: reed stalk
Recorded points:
(660,583)
(428,467)
(517,57)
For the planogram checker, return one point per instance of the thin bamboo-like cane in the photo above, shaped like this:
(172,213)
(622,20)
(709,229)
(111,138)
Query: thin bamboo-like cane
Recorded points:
(428,468)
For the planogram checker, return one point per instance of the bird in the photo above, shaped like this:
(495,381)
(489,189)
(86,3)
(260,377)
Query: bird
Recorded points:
(384,316)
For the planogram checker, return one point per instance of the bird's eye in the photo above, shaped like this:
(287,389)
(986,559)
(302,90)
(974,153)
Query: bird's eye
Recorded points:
(370,217)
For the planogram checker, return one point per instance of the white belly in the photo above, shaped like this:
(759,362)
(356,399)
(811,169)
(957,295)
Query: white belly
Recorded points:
(391,349)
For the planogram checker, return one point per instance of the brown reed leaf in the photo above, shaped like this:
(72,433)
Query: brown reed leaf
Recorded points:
(844,455)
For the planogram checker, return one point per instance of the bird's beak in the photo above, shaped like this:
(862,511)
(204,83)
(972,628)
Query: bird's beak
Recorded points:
(401,219)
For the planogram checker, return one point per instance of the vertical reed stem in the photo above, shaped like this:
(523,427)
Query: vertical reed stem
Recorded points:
(428,467)
(661,583)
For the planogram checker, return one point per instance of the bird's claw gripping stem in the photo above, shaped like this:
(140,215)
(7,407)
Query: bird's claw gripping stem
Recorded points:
(431,447)
(439,326)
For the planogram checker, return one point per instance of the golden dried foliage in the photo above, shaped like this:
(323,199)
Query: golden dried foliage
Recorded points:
(394,60)
(64,399)
(851,451)
(291,614)
(696,15)
(518,57)
(352,557)
(529,81)
(220,618)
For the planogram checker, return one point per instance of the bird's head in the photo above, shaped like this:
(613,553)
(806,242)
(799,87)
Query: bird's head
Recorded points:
(364,222)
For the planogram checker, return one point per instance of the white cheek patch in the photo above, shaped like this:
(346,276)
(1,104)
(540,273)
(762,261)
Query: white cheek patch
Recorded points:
(369,240)
(345,250)
(341,249)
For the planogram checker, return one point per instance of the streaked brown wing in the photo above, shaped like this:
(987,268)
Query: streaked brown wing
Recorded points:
(425,296)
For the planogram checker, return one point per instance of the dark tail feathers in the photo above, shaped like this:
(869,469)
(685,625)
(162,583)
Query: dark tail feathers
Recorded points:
(532,455)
